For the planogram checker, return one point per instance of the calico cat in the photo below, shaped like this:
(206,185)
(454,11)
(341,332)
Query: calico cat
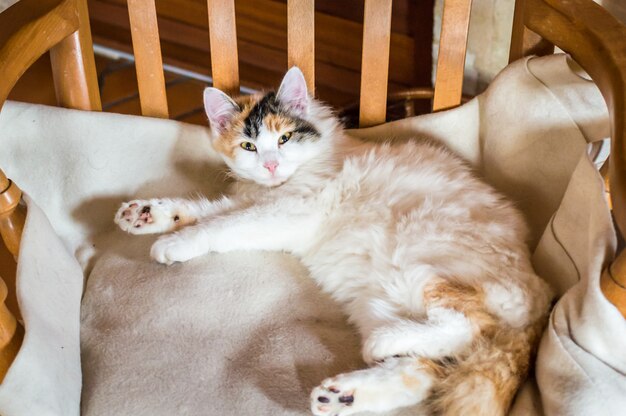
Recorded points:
(429,262)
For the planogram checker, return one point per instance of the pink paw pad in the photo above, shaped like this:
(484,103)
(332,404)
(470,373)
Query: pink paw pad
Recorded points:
(135,215)
(330,401)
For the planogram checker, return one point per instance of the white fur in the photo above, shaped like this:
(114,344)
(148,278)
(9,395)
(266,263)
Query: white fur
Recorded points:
(293,92)
(442,333)
(374,223)
(220,109)
(249,165)
(375,389)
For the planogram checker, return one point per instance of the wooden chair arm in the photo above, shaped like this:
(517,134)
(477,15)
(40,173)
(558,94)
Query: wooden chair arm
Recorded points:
(12,216)
(28,29)
(596,40)
(12,219)
(614,289)
(11,333)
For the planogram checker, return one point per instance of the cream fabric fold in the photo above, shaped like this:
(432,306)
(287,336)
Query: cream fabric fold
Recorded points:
(45,377)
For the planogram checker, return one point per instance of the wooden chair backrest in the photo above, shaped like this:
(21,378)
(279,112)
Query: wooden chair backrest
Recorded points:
(75,53)
(301,52)
(31,27)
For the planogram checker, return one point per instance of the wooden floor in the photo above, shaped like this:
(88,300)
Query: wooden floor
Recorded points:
(118,89)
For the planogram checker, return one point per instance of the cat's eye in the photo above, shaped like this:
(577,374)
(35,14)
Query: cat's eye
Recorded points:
(284,138)
(248,146)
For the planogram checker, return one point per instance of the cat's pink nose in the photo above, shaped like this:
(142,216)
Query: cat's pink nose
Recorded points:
(271,166)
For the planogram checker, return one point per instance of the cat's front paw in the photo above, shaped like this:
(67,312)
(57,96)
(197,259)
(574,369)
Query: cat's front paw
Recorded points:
(146,217)
(172,248)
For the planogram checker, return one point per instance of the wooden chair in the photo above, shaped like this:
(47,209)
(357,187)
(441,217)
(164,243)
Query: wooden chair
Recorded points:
(31,27)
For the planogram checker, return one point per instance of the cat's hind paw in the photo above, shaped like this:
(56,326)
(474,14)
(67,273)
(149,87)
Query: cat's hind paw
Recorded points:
(330,400)
(398,382)
(146,217)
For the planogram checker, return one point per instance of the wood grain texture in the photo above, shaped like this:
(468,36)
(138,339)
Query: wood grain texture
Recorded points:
(525,42)
(148,61)
(451,60)
(12,219)
(74,67)
(8,273)
(12,216)
(612,284)
(375,62)
(516,50)
(11,334)
(27,30)
(223,38)
(301,39)
(262,33)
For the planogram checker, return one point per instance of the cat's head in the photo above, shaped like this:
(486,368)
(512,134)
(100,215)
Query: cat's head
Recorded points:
(266,138)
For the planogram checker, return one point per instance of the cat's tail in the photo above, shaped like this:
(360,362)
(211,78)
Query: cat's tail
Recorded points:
(484,382)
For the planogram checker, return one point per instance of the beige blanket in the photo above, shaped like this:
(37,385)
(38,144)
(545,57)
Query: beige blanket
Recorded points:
(249,333)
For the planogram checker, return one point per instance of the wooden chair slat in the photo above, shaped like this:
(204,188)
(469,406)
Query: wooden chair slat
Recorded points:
(516,50)
(148,61)
(223,39)
(301,38)
(74,67)
(375,62)
(525,42)
(451,60)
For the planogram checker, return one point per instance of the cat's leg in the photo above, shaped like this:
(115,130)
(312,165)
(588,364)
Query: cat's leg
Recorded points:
(445,332)
(270,227)
(168,214)
(455,315)
(398,382)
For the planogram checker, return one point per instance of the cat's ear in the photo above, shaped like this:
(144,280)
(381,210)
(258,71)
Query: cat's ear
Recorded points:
(293,92)
(220,109)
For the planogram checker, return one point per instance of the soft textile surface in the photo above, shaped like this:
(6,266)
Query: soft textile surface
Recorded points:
(249,333)
(45,378)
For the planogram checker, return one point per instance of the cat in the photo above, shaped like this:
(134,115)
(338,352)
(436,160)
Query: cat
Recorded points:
(429,262)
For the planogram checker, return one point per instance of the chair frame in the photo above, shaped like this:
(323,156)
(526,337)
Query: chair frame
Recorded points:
(30,28)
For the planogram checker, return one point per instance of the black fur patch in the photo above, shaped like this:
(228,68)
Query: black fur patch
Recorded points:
(269,104)
(254,121)
(305,131)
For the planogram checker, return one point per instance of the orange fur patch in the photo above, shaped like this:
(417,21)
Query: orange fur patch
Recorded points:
(484,379)
(277,123)
(228,142)
(465,299)
(410,382)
